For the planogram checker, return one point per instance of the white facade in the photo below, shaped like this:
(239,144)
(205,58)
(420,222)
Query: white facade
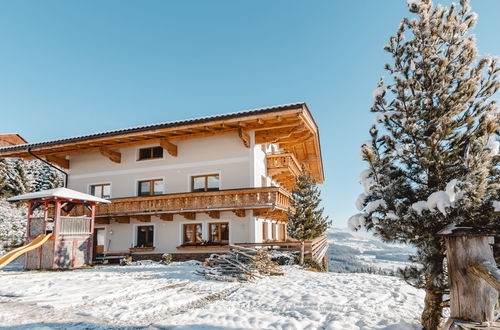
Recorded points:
(238,167)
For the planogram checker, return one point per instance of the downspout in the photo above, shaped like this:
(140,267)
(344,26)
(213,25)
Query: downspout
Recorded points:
(57,168)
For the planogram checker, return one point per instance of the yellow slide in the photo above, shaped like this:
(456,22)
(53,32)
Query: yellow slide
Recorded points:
(14,254)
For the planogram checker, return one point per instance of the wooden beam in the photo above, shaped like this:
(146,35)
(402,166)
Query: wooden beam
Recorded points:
(143,218)
(59,161)
(214,214)
(245,138)
(102,220)
(240,213)
(167,217)
(169,147)
(121,219)
(113,156)
(189,215)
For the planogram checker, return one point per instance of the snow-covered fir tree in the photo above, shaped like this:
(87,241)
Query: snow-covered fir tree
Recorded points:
(305,218)
(433,155)
(18,176)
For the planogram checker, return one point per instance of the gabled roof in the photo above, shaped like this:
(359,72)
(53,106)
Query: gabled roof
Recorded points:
(289,125)
(62,193)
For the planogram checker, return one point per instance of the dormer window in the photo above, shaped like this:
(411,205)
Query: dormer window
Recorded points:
(150,153)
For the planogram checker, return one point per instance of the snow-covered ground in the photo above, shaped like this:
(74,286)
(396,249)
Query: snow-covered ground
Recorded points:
(171,296)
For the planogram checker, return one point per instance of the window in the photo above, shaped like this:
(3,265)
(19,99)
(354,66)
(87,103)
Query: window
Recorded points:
(150,187)
(265,235)
(101,190)
(282,232)
(150,153)
(145,236)
(208,182)
(192,234)
(219,232)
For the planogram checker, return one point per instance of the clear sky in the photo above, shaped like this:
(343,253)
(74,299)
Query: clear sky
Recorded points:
(74,67)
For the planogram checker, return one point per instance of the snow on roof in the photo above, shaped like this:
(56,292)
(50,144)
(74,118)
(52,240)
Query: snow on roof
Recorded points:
(58,193)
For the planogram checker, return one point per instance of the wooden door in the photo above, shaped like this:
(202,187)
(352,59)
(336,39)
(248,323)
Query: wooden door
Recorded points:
(99,236)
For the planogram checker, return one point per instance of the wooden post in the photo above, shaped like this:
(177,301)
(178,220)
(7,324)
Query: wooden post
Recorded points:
(471,274)
(57,228)
(90,244)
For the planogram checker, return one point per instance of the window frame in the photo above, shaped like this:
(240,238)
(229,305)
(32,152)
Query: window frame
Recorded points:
(219,232)
(193,242)
(139,159)
(136,235)
(206,176)
(151,186)
(101,184)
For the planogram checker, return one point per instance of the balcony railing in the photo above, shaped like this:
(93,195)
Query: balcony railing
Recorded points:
(283,168)
(270,198)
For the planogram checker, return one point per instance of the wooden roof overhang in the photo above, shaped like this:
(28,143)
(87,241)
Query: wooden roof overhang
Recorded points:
(290,126)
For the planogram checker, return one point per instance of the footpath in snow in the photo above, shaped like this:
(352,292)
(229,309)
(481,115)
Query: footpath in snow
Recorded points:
(171,296)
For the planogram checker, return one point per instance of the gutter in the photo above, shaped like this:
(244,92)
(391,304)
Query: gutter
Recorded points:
(55,167)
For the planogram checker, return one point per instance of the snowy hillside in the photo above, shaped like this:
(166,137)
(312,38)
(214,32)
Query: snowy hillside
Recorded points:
(171,296)
(359,252)
(12,225)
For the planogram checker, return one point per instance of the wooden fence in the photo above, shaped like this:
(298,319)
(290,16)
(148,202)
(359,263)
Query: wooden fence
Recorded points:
(316,249)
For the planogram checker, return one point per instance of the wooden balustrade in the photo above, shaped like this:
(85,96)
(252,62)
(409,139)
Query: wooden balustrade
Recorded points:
(315,249)
(283,168)
(74,225)
(270,199)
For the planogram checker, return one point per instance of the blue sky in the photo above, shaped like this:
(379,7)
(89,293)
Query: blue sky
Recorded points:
(69,68)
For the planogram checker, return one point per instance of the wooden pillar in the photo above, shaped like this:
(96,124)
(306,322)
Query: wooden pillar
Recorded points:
(90,243)
(57,228)
(28,224)
(473,296)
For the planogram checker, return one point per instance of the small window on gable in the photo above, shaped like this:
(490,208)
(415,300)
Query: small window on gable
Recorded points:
(150,153)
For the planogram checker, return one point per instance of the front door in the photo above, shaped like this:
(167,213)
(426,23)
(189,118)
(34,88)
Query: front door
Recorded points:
(99,234)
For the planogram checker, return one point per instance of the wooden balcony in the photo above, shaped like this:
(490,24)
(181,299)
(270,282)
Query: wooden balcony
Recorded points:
(269,202)
(283,168)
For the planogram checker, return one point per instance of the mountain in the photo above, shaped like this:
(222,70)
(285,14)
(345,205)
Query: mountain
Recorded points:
(360,252)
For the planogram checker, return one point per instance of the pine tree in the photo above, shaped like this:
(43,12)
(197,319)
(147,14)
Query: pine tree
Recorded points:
(433,156)
(305,218)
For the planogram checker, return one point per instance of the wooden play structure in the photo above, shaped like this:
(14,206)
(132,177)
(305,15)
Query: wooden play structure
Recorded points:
(57,237)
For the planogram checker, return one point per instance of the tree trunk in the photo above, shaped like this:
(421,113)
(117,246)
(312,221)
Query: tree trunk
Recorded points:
(302,252)
(431,317)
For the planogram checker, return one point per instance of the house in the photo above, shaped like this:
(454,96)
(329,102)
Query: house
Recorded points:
(189,187)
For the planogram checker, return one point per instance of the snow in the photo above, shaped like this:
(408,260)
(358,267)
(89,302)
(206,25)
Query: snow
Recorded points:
(12,226)
(451,190)
(439,200)
(360,201)
(366,181)
(420,206)
(356,221)
(378,92)
(493,146)
(58,192)
(372,206)
(391,216)
(496,206)
(171,296)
